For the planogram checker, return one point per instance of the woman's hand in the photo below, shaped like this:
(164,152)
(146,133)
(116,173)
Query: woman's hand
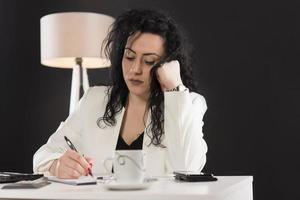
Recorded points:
(71,165)
(168,75)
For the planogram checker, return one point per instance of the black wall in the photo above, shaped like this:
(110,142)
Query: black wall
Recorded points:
(244,62)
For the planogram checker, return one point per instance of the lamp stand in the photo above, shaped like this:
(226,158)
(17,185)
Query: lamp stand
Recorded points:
(80,83)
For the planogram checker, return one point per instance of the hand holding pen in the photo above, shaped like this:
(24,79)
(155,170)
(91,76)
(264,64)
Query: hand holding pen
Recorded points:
(71,164)
(70,144)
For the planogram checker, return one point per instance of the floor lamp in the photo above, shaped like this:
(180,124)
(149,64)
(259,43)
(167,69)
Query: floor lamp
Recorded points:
(73,40)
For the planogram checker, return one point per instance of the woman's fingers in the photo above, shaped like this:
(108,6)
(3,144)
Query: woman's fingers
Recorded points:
(72,165)
(68,168)
(89,160)
(83,163)
(68,173)
(75,166)
(168,75)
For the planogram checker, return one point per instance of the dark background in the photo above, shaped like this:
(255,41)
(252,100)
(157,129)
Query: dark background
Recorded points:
(244,62)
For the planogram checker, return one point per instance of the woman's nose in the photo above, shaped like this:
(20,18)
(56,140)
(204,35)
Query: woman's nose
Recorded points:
(136,67)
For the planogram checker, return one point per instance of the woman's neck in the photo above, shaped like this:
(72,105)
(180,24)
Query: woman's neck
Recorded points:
(138,105)
(137,101)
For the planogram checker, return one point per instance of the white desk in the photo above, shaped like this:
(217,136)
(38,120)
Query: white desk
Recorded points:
(226,188)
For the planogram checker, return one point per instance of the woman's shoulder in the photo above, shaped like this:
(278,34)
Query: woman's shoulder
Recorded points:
(96,94)
(98,91)
(198,97)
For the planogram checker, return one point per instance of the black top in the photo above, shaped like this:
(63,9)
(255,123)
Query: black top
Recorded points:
(135,145)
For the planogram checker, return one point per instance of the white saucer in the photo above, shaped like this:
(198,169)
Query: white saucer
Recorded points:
(114,185)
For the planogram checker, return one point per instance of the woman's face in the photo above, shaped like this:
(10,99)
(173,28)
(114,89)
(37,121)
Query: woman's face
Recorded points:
(141,52)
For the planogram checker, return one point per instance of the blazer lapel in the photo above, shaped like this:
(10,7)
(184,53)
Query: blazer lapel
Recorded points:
(116,130)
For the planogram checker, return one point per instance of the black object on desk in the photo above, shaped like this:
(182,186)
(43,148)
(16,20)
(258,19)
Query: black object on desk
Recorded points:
(10,177)
(28,184)
(193,176)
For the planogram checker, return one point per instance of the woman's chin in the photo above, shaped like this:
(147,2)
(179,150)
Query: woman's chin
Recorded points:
(138,91)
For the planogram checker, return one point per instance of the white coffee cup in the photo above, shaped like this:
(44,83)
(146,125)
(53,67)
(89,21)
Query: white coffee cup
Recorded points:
(128,166)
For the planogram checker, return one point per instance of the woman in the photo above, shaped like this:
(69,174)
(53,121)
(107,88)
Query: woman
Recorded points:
(150,105)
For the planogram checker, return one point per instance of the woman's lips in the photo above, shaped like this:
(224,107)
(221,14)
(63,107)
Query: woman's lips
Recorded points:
(135,82)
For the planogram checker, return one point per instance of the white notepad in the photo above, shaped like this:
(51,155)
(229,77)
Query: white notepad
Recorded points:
(83,180)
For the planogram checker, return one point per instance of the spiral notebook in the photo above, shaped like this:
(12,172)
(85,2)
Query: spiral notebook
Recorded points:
(83,180)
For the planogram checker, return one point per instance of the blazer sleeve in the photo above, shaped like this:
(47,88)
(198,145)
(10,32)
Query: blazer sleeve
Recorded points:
(56,145)
(186,148)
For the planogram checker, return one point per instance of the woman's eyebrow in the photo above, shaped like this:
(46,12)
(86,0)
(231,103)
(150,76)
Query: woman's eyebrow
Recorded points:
(127,48)
(144,54)
(149,54)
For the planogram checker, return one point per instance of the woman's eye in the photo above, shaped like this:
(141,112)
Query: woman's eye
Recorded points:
(130,58)
(149,62)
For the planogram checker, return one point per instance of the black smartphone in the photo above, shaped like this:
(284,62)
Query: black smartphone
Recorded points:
(190,176)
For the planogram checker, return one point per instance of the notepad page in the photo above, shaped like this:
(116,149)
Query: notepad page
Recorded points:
(83,180)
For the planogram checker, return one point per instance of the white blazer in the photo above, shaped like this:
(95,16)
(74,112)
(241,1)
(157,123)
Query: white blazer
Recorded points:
(183,146)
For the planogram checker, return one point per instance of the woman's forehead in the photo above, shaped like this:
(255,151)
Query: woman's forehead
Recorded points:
(146,43)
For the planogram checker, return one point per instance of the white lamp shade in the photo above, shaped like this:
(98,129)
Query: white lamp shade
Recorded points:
(66,36)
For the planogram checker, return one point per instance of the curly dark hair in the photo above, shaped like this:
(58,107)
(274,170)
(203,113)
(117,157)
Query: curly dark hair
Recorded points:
(144,21)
